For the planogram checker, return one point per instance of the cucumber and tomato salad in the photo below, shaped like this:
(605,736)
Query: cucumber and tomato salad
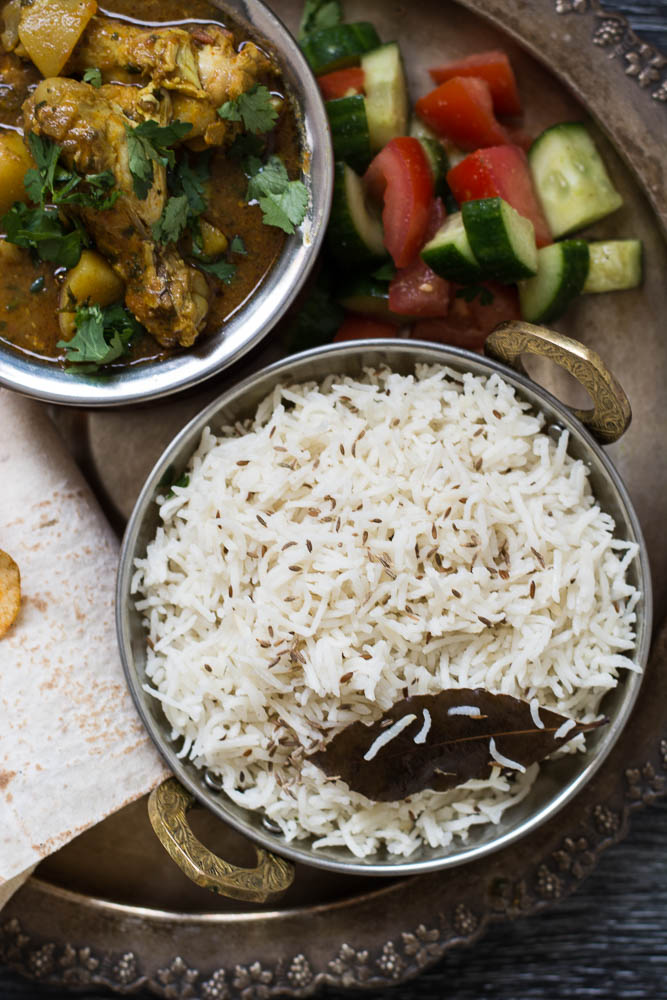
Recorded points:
(446,218)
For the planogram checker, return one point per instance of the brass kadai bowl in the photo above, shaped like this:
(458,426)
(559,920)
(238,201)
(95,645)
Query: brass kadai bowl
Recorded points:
(558,781)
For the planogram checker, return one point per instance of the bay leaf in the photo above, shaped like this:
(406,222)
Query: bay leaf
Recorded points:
(455,730)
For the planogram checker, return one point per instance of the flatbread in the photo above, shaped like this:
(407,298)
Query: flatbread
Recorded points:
(72,747)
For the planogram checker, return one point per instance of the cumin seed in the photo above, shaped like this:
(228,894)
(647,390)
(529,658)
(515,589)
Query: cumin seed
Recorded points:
(246,753)
(477,433)
(287,545)
(478,465)
(447,513)
(532,588)
(264,644)
(272,432)
(364,538)
(341,449)
(347,677)
(497,415)
(314,512)
(434,530)
(295,569)
(376,520)
(261,520)
(455,593)
(484,621)
(538,557)
(309,545)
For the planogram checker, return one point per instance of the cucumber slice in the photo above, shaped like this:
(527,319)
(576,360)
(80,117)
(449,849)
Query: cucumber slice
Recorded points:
(501,240)
(349,131)
(449,253)
(386,94)
(615,265)
(354,234)
(571,179)
(439,161)
(339,46)
(561,273)
(369,297)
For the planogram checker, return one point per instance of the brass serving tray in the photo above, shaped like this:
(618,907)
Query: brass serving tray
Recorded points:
(110,908)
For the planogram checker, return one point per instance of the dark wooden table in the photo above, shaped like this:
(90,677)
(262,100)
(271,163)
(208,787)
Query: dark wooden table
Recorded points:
(607,942)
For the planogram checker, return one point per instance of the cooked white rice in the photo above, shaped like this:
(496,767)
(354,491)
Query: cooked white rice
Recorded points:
(359,540)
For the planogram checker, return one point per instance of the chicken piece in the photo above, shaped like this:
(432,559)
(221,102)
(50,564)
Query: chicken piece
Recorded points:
(201,63)
(169,297)
(139,103)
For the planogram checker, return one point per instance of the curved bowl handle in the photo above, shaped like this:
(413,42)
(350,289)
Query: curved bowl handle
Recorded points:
(611,414)
(167,808)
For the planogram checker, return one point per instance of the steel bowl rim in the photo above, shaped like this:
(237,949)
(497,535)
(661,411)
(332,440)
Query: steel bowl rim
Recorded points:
(262,309)
(209,799)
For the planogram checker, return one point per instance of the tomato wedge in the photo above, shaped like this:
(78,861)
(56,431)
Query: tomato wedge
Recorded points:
(416,290)
(500,172)
(401,176)
(462,110)
(494,67)
(355,327)
(342,83)
(468,324)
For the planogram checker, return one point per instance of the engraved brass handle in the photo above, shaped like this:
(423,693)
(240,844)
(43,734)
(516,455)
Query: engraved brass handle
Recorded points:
(167,808)
(611,414)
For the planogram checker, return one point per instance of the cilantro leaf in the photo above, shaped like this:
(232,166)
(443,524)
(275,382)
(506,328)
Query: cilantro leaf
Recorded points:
(254,108)
(174,220)
(93,76)
(238,246)
(470,292)
(102,336)
(283,202)
(245,145)
(41,230)
(147,143)
(51,182)
(189,178)
(319,14)
(222,269)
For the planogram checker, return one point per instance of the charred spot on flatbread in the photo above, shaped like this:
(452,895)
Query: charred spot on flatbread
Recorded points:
(10,591)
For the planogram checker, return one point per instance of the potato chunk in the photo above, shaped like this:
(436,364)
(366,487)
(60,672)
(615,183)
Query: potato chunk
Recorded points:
(93,281)
(214,241)
(15,159)
(49,30)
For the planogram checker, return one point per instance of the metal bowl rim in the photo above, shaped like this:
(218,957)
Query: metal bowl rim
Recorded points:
(145,382)
(438,354)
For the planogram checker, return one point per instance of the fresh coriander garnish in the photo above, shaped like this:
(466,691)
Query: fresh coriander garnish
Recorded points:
(222,269)
(42,231)
(283,202)
(93,76)
(319,14)
(182,481)
(149,142)
(470,292)
(246,145)
(51,182)
(238,246)
(173,222)
(254,108)
(187,185)
(102,336)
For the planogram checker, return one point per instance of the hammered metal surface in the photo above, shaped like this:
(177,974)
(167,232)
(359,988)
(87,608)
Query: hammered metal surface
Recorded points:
(332,929)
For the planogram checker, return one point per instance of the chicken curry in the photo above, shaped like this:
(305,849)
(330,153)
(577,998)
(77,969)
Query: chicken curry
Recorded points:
(148,176)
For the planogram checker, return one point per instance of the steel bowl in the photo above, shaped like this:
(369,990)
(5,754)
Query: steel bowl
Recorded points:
(251,322)
(560,779)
